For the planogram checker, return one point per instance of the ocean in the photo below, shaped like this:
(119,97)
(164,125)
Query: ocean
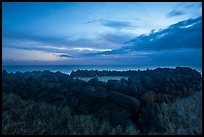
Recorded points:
(67,69)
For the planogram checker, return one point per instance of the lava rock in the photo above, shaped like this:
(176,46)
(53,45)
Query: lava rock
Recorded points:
(128,102)
(111,84)
(95,92)
(93,81)
(148,98)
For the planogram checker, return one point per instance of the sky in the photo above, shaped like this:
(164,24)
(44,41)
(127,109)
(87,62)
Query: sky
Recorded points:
(101,33)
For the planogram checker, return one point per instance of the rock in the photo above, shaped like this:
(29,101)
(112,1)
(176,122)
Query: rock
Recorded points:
(102,84)
(128,102)
(80,83)
(51,85)
(94,81)
(111,84)
(131,90)
(147,82)
(123,80)
(135,84)
(74,90)
(115,114)
(148,98)
(116,85)
(119,86)
(134,79)
(130,93)
(95,92)
(64,90)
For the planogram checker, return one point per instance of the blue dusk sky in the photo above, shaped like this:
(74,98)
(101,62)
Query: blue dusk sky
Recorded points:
(93,33)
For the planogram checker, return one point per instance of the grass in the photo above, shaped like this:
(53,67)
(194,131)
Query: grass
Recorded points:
(183,117)
(27,117)
(20,117)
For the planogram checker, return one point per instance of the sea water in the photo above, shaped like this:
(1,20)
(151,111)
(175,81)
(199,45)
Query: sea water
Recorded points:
(69,68)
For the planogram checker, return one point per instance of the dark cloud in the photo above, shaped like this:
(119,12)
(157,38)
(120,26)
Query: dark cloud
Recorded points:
(184,34)
(65,56)
(90,22)
(196,5)
(190,6)
(175,13)
(116,24)
(182,9)
(179,10)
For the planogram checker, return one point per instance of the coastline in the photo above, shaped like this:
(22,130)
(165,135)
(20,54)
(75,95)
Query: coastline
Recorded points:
(147,101)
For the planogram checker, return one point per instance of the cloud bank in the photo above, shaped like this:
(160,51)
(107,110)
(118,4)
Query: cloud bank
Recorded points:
(184,34)
(179,44)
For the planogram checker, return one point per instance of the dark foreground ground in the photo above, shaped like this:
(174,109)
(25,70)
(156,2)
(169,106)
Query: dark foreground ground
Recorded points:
(160,101)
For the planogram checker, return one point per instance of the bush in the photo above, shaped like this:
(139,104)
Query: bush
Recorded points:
(20,117)
(183,117)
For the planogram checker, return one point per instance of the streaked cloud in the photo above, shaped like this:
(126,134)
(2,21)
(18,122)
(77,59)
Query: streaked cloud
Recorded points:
(117,24)
(182,35)
(184,8)
(194,5)
(175,13)
(65,56)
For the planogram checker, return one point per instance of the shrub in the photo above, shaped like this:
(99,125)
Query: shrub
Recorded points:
(20,117)
(183,117)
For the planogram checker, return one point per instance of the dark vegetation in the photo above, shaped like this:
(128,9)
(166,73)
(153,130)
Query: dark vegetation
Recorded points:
(143,104)
(21,117)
